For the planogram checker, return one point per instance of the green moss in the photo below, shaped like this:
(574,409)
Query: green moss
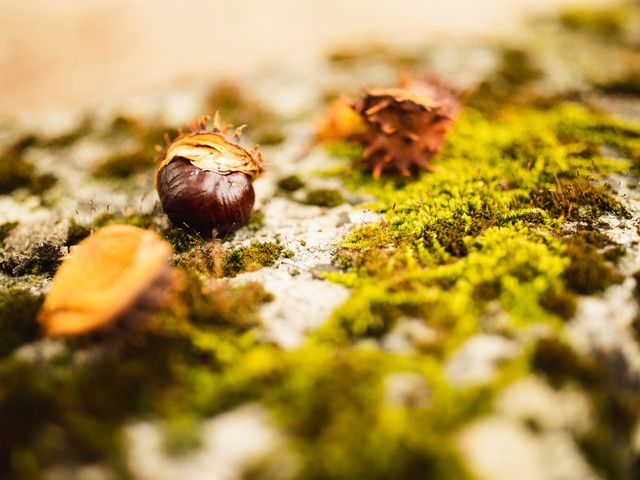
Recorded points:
(142,220)
(123,165)
(256,222)
(588,271)
(349,150)
(223,304)
(253,257)
(76,233)
(628,84)
(615,402)
(324,197)
(18,309)
(290,183)
(69,138)
(509,85)
(557,300)
(42,259)
(601,22)
(60,408)
(181,241)
(204,258)
(487,227)
(15,173)
(6,229)
(181,435)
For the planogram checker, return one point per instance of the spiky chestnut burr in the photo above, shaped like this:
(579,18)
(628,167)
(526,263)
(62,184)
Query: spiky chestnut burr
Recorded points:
(405,128)
(204,179)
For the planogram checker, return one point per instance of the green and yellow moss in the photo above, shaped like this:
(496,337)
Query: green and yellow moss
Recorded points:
(16,172)
(290,183)
(489,225)
(324,197)
(124,164)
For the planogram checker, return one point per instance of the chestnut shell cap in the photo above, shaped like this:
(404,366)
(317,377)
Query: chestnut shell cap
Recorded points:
(105,275)
(214,152)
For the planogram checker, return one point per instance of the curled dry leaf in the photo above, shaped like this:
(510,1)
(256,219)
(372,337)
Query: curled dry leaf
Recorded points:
(204,178)
(120,272)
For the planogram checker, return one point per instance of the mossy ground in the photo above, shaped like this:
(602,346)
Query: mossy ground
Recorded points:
(510,221)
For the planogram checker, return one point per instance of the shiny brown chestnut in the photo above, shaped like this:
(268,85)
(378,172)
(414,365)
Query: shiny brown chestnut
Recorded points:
(204,179)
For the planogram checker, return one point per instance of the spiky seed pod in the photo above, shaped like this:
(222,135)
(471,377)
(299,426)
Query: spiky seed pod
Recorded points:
(118,275)
(404,128)
(204,179)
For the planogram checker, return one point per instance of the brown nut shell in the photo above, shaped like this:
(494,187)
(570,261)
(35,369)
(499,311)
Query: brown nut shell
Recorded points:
(203,200)
(204,179)
(107,274)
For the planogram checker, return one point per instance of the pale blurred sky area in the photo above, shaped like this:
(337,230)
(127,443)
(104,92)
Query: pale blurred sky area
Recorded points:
(76,51)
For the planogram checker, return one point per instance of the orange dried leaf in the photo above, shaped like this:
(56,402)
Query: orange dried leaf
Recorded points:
(107,274)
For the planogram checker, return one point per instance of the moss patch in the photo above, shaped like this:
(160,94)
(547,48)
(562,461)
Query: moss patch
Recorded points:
(253,257)
(615,402)
(290,183)
(18,309)
(142,220)
(124,165)
(324,197)
(6,229)
(16,172)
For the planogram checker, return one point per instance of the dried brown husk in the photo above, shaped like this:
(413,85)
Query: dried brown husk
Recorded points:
(213,150)
(405,128)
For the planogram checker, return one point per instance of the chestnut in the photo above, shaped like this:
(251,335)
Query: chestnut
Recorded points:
(204,179)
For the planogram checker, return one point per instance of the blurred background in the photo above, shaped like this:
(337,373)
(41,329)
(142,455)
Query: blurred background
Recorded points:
(72,52)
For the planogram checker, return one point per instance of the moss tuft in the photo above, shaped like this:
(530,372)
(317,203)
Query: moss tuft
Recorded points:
(256,222)
(559,301)
(6,229)
(43,259)
(223,304)
(205,258)
(588,272)
(76,233)
(510,83)
(601,22)
(124,165)
(290,183)
(18,310)
(142,220)
(16,172)
(253,257)
(181,241)
(324,197)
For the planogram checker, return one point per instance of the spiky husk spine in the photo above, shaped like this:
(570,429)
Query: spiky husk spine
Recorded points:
(405,128)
